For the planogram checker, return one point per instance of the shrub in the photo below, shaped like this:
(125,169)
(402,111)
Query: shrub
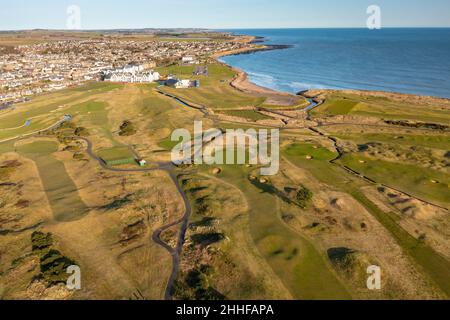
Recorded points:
(78,156)
(81,132)
(127,129)
(54,266)
(41,241)
(304,196)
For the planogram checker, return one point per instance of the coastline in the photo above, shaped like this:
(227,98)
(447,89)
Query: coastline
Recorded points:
(242,82)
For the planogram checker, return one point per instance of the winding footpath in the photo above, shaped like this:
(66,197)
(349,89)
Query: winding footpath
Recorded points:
(167,167)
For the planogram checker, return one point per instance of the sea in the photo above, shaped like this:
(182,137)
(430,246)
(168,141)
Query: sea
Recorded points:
(410,60)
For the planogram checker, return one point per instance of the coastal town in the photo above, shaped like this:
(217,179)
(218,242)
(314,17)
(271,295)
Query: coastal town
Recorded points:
(27,70)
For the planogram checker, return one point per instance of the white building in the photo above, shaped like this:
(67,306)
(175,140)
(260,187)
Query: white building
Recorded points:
(188,60)
(182,84)
(131,74)
(142,77)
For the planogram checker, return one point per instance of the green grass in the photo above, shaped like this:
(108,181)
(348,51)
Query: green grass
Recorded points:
(6,147)
(46,109)
(430,141)
(61,191)
(409,178)
(431,263)
(215,90)
(300,106)
(300,266)
(168,144)
(336,106)
(318,153)
(97,87)
(36,148)
(93,115)
(117,156)
(382,108)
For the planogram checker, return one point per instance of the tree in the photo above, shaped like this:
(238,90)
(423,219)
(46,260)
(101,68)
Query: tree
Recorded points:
(304,196)
(81,132)
(127,129)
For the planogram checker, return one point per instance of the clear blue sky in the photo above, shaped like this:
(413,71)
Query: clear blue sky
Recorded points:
(108,14)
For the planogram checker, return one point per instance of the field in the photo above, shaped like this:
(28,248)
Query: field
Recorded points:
(215,91)
(381,107)
(421,182)
(11,39)
(431,141)
(433,263)
(246,114)
(72,193)
(349,180)
(307,275)
(117,156)
(62,193)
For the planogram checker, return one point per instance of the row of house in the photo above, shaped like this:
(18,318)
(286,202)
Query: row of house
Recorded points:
(131,74)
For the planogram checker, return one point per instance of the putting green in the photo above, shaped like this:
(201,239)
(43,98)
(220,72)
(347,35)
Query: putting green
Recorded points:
(421,182)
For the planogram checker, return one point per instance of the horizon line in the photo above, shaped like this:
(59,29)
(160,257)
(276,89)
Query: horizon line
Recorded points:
(217,29)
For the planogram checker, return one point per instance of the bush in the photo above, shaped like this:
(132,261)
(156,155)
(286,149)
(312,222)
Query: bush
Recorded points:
(54,266)
(81,132)
(207,239)
(78,156)
(194,285)
(41,241)
(127,129)
(304,196)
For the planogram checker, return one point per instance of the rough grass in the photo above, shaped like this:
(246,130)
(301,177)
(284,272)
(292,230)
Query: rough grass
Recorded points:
(247,114)
(301,268)
(336,106)
(430,141)
(431,263)
(115,153)
(45,110)
(61,191)
(409,178)
(382,108)
(318,153)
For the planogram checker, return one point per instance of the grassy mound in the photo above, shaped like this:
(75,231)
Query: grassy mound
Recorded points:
(351,264)
(53,265)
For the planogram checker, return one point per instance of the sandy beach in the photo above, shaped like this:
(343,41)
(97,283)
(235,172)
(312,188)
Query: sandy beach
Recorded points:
(242,83)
